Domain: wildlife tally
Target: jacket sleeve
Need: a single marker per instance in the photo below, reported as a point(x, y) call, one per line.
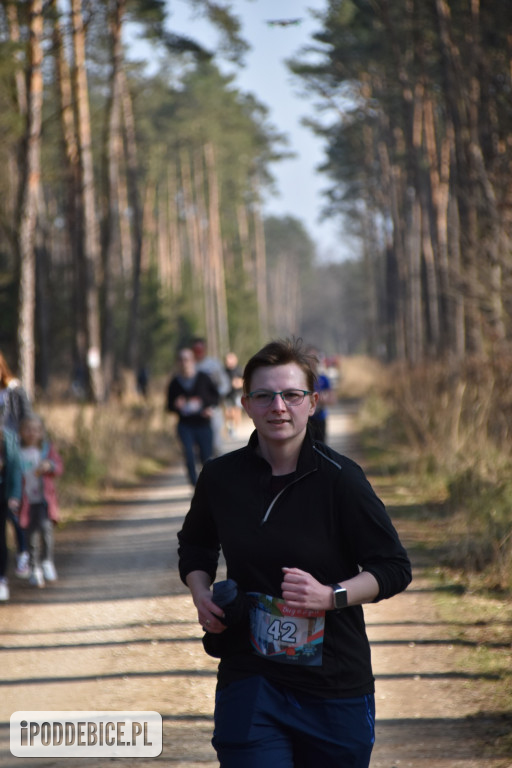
point(209, 391)
point(172, 394)
point(56, 460)
point(24, 405)
point(198, 542)
point(13, 469)
point(374, 540)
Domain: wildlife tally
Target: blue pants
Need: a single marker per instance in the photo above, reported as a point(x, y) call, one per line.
point(21, 543)
point(260, 726)
point(192, 436)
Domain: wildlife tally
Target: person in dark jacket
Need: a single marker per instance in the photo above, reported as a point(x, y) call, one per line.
point(14, 407)
point(11, 477)
point(306, 542)
point(192, 395)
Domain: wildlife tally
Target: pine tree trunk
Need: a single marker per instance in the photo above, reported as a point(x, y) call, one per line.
point(175, 254)
point(112, 233)
point(73, 204)
point(243, 236)
point(193, 229)
point(132, 172)
point(90, 233)
point(206, 269)
point(459, 108)
point(261, 272)
point(17, 160)
point(29, 200)
point(439, 172)
point(216, 253)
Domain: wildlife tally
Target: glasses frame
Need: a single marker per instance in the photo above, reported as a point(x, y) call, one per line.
point(303, 392)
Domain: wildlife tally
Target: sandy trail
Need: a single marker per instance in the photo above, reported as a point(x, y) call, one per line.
point(118, 632)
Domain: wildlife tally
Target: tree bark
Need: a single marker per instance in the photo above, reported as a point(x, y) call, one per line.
point(175, 254)
point(193, 228)
point(12, 201)
point(112, 218)
point(90, 232)
point(216, 254)
point(133, 182)
point(261, 270)
point(29, 200)
point(73, 202)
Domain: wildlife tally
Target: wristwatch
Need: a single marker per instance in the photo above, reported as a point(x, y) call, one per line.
point(340, 597)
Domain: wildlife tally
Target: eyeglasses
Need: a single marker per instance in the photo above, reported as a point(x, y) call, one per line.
point(262, 398)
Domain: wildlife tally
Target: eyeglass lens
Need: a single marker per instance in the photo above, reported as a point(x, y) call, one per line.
point(290, 397)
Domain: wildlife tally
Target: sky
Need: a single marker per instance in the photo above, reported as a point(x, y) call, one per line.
point(265, 74)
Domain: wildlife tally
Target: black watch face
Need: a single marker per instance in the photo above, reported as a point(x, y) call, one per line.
point(340, 598)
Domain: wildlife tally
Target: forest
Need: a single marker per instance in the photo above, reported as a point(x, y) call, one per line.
point(132, 218)
point(131, 206)
point(420, 164)
point(131, 210)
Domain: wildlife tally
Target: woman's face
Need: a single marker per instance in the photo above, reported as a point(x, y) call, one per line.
point(279, 421)
point(186, 363)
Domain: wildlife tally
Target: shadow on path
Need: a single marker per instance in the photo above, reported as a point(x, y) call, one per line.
point(118, 631)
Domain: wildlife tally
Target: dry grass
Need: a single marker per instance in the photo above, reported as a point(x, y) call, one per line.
point(450, 425)
point(360, 375)
point(107, 446)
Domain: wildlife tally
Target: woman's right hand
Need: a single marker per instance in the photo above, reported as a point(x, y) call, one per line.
point(208, 613)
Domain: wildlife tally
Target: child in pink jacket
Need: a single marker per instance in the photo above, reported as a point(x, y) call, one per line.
point(39, 508)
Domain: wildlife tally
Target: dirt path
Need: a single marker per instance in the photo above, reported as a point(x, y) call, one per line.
point(118, 632)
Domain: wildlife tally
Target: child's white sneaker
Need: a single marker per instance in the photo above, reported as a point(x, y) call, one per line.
point(22, 565)
point(4, 591)
point(36, 578)
point(49, 572)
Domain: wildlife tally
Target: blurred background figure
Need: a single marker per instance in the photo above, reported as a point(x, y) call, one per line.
point(142, 381)
point(14, 401)
point(192, 395)
point(39, 511)
point(326, 396)
point(233, 400)
point(215, 369)
point(10, 496)
point(14, 407)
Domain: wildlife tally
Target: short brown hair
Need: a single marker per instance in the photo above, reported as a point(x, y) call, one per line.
point(6, 375)
point(281, 352)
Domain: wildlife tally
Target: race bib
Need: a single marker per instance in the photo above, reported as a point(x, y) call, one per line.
point(287, 635)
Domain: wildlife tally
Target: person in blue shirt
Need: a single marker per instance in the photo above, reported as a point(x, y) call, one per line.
point(326, 396)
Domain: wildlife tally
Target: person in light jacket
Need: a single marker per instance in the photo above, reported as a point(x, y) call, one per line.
point(39, 511)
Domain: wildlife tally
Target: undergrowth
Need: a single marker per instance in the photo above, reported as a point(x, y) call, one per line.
point(446, 433)
point(106, 446)
point(454, 500)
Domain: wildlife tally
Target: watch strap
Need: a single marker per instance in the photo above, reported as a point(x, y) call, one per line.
point(340, 597)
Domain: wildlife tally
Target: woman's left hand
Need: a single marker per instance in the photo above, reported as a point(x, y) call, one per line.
point(301, 590)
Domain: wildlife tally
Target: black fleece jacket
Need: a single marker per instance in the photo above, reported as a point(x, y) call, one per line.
point(202, 388)
point(327, 521)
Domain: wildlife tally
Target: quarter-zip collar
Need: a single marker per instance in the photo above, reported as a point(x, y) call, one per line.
point(307, 463)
